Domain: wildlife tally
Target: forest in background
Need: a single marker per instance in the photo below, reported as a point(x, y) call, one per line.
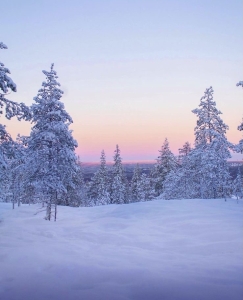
point(43, 167)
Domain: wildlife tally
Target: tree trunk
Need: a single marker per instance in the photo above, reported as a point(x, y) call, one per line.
point(48, 211)
point(55, 218)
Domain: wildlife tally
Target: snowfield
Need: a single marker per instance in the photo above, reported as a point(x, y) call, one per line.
point(158, 250)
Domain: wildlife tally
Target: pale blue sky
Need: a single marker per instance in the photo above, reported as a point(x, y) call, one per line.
point(132, 71)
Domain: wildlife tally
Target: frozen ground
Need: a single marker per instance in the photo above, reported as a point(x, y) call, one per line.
point(159, 250)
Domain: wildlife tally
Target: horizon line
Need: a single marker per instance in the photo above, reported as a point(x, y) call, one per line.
point(144, 162)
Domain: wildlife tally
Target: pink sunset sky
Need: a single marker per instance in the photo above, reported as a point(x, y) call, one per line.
point(131, 71)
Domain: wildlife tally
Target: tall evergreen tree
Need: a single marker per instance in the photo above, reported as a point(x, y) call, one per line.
point(184, 151)
point(103, 182)
point(51, 165)
point(203, 172)
point(166, 162)
point(211, 149)
point(209, 124)
point(145, 188)
point(119, 184)
point(6, 153)
point(178, 184)
point(135, 182)
point(15, 172)
point(7, 145)
point(99, 185)
point(93, 189)
point(7, 85)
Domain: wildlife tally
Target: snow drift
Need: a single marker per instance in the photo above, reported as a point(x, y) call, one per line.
point(172, 250)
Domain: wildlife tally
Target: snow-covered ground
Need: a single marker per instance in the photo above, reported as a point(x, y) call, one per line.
point(158, 250)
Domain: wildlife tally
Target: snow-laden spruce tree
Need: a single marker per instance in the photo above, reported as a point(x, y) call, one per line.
point(178, 184)
point(185, 172)
point(12, 158)
point(27, 190)
point(209, 124)
point(141, 186)
point(211, 150)
point(119, 184)
point(6, 154)
point(100, 184)
point(7, 145)
point(15, 172)
point(184, 152)
point(145, 188)
point(135, 197)
point(51, 164)
point(203, 172)
point(93, 190)
point(166, 162)
point(174, 185)
point(7, 86)
point(6, 142)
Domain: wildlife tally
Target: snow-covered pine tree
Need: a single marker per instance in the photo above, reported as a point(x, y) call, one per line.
point(166, 162)
point(7, 145)
point(119, 185)
point(93, 190)
point(174, 185)
point(209, 124)
point(178, 184)
point(26, 190)
point(185, 170)
point(99, 185)
point(103, 182)
point(204, 173)
point(51, 164)
point(211, 150)
point(6, 86)
point(15, 172)
point(184, 151)
point(144, 188)
point(6, 153)
point(135, 197)
point(240, 127)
